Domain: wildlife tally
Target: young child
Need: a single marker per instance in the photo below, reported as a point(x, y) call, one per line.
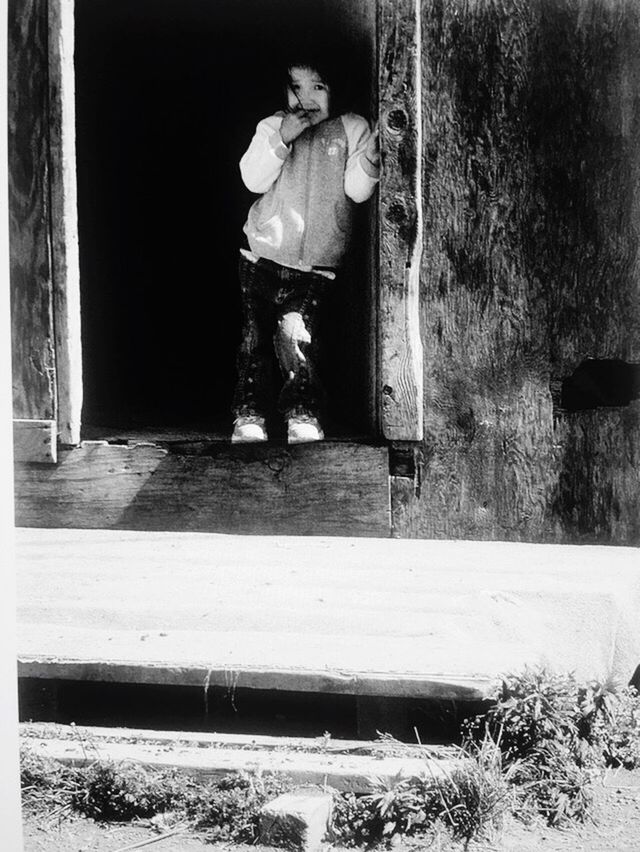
point(309, 167)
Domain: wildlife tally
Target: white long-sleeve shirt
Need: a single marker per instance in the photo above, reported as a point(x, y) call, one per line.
point(303, 217)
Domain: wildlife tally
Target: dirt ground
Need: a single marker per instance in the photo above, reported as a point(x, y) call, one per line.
point(616, 828)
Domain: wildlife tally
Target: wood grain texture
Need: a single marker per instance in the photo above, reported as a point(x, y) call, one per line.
point(360, 773)
point(400, 221)
point(215, 739)
point(530, 265)
point(596, 493)
point(331, 489)
point(64, 219)
point(30, 268)
point(320, 679)
point(35, 441)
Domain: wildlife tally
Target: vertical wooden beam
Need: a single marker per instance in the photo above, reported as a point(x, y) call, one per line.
point(401, 363)
point(64, 220)
point(29, 215)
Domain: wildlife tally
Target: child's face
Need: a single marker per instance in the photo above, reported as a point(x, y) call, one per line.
point(306, 87)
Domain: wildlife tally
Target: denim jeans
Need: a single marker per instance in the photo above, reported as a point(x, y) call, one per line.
point(269, 291)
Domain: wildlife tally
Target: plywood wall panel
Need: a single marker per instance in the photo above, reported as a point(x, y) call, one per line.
point(597, 491)
point(530, 163)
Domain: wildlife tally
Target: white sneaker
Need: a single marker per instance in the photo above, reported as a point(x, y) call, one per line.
point(249, 430)
point(303, 430)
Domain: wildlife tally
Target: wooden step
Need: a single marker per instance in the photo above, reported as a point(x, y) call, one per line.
point(332, 764)
point(363, 617)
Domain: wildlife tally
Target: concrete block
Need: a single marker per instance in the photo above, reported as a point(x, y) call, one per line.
point(297, 820)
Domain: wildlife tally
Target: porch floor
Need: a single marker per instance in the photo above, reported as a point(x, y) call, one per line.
point(372, 617)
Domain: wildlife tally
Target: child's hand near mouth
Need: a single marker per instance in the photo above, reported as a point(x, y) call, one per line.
point(293, 124)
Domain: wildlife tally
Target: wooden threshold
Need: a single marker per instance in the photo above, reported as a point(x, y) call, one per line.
point(329, 488)
point(197, 434)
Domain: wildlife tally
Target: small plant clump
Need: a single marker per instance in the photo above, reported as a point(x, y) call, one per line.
point(225, 809)
point(126, 791)
point(365, 820)
point(46, 784)
point(230, 808)
point(40, 774)
point(556, 736)
point(466, 802)
point(612, 723)
point(102, 790)
point(529, 711)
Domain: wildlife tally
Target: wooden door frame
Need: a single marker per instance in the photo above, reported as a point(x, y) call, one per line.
point(45, 278)
point(64, 220)
point(399, 369)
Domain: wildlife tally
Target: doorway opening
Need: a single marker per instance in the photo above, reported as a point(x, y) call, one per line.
point(168, 94)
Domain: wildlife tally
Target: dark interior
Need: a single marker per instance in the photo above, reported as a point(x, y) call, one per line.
point(168, 93)
point(241, 711)
point(601, 383)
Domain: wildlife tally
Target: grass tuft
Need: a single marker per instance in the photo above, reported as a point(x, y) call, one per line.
point(468, 802)
point(229, 810)
point(556, 736)
point(125, 791)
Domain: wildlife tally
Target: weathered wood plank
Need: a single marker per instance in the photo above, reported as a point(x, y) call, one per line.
point(354, 772)
point(200, 739)
point(398, 684)
point(34, 441)
point(596, 495)
point(31, 282)
point(404, 502)
point(332, 489)
point(401, 372)
point(64, 219)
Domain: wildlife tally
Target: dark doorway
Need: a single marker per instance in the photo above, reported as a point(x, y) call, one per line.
point(168, 96)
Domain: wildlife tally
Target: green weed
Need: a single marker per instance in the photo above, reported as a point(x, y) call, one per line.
point(466, 802)
point(543, 724)
point(221, 809)
point(229, 809)
point(612, 723)
point(47, 786)
point(124, 791)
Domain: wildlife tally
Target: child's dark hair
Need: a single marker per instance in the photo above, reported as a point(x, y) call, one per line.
point(325, 61)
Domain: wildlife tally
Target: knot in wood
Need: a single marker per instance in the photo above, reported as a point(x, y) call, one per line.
point(396, 213)
point(397, 120)
point(276, 463)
